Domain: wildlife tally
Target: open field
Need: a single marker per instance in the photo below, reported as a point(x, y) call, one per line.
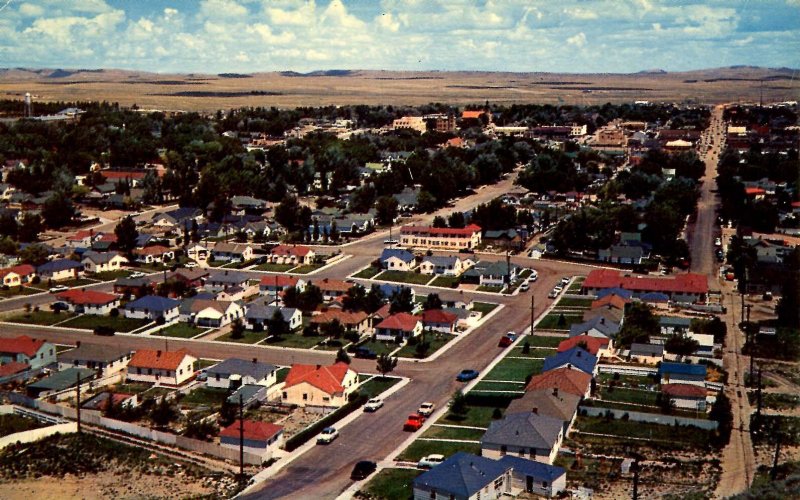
point(197, 92)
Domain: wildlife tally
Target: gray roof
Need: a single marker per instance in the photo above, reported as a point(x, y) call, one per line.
point(537, 470)
point(527, 430)
point(63, 379)
point(646, 349)
point(599, 323)
point(231, 277)
point(236, 366)
point(484, 268)
point(264, 312)
point(94, 352)
point(441, 260)
point(98, 257)
point(562, 406)
point(462, 475)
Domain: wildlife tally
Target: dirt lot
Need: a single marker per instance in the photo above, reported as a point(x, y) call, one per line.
point(292, 421)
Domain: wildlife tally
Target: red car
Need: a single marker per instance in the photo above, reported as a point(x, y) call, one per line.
point(505, 341)
point(414, 422)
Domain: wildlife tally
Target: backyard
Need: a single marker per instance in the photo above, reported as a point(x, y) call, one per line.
point(368, 272)
point(180, 330)
point(514, 369)
point(44, 318)
point(404, 277)
point(558, 321)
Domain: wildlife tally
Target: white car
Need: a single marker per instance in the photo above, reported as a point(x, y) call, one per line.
point(430, 461)
point(137, 274)
point(373, 405)
point(558, 288)
point(59, 288)
point(327, 435)
point(426, 409)
point(190, 265)
point(524, 287)
point(534, 276)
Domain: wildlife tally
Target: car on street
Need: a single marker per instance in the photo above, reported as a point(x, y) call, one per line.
point(534, 275)
point(59, 306)
point(414, 422)
point(327, 436)
point(430, 461)
point(565, 280)
point(390, 242)
point(373, 404)
point(137, 274)
point(59, 288)
point(553, 294)
point(524, 287)
point(190, 265)
point(467, 375)
point(505, 341)
point(363, 469)
point(426, 409)
point(365, 353)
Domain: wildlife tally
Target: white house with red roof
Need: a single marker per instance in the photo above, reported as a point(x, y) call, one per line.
point(402, 325)
point(155, 253)
point(17, 275)
point(89, 301)
point(686, 396)
point(316, 385)
point(439, 321)
point(35, 353)
point(275, 283)
point(171, 368)
point(258, 438)
point(82, 238)
point(291, 254)
point(440, 238)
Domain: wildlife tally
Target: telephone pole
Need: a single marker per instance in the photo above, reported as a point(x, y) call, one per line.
point(241, 438)
point(774, 472)
point(635, 468)
point(533, 311)
point(758, 411)
point(78, 391)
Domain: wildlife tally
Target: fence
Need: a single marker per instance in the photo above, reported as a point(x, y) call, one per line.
point(650, 418)
point(642, 371)
point(37, 434)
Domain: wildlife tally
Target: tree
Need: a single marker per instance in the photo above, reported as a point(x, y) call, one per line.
point(151, 187)
point(163, 412)
point(386, 210)
point(332, 329)
point(721, 412)
point(276, 325)
point(8, 225)
point(342, 356)
point(788, 308)
point(374, 299)
point(58, 210)
point(30, 227)
point(640, 324)
point(237, 329)
point(456, 220)
point(34, 255)
point(228, 413)
point(426, 202)
point(127, 235)
point(439, 221)
point(199, 428)
point(402, 301)
point(334, 232)
point(287, 213)
point(356, 298)
point(432, 301)
point(385, 364)
point(681, 344)
point(459, 405)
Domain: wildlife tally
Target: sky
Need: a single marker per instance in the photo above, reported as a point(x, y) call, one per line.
point(245, 36)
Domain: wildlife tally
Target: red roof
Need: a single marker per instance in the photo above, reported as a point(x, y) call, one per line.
point(253, 431)
point(593, 344)
point(108, 237)
point(438, 316)
point(153, 250)
point(81, 235)
point(681, 283)
point(684, 390)
point(441, 231)
point(612, 300)
point(286, 250)
point(160, 360)
point(564, 379)
point(345, 318)
point(87, 297)
point(13, 368)
point(401, 321)
point(472, 114)
point(21, 345)
point(279, 280)
point(328, 285)
point(754, 191)
point(24, 269)
point(328, 379)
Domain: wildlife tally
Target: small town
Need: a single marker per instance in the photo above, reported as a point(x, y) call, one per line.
point(466, 299)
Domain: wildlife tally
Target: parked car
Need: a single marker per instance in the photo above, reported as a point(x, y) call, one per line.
point(426, 409)
point(373, 405)
point(430, 461)
point(466, 250)
point(137, 274)
point(390, 242)
point(59, 306)
point(534, 275)
point(190, 265)
point(566, 279)
point(363, 469)
point(327, 435)
point(524, 287)
point(414, 422)
point(511, 335)
point(59, 288)
point(467, 375)
point(365, 353)
point(553, 294)
point(505, 341)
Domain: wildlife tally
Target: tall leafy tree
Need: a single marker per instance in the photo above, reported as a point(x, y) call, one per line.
point(126, 235)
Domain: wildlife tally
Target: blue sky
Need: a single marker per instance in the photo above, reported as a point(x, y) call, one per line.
point(580, 36)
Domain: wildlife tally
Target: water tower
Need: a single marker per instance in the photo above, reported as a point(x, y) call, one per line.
point(28, 106)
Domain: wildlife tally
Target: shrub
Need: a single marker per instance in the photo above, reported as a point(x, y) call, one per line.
point(526, 347)
point(160, 320)
point(497, 414)
point(114, 313)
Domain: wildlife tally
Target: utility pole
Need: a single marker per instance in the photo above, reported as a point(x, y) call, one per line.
point(635, 468)
point(774, 472)
point(241, 438)
point(533, 309)
point(78, 391)
point(758, 411)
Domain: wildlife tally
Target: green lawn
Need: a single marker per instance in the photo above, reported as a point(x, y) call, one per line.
point(119, 324)
point(249, 337)
point(629, 395)
point(392, 484)
point(419, 449)
point(377, 385)
point(436, 342)
point(111, 275)
point(553, 321)
point(368, 272)
point(438, 432)
point(18, 291)
point(307, 268)
point(499, 386)
point(205, 363)
point(621, 429)
point(533, 352)
point(477, 416)
point(295, 340)
point(77, 282)
point(275, 268)
point(543, 341)
point(446, 281)
point(404, 277)
point(483, 307)
point(181, 330)
point(575, 287)
point(204, 396)
point(573, 302)
point(45, 318)
point(515, 369)
point(379, 347)
point(489, 288)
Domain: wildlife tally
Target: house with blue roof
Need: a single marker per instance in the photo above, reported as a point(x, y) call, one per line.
point(397, 259)
point(670, 325)
point(60, 270)
point(598, 326)
point(625, 294)
point(575, 358)
point(153, 307)
point(389, 290)
point(464, 476)
point(682, 373)
point(535, 477)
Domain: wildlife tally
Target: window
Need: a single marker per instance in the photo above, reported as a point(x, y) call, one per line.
point(285, 395)
point(305, 397)
point(217, 377)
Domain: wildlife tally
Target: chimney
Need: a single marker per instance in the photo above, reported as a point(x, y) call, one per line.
point(319, 366)
point(602, 320)
point(535, 410)
point(158, 353)
point(255, 360)
point(555, 391)
point(78, 343)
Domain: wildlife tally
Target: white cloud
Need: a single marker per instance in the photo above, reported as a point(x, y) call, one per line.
point(31, 10)
point(578, 40)
point(387, 21)
point(222, 9)
point(580, 13)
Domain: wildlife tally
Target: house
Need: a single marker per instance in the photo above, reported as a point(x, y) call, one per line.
point(464, 476)
point(595, 327)
point(197, 252)
point(259, 314)
point(23, 349)
point(440, 238)
point(332, 289)
point(549, 403)
point(705, 344)
point(574, 359)
point(17, 275)
point(535, 477)
point(623, 254)
point(690, 287)
point(608, 312)
point(325, 386)
point(234, 373)
point(682, 373)
point(400, 325)
point(60, 381)
point(648, 354)
point(103, 400)
point(565, 380)
point(670, 325)
point(171, 368)
point(525, 435)
point(291, 254)
point(81, 239)
point(686, 396)
point(439, 321)
point(209, 312)
point(99, 262)
point(466, 318)
point(152, 254)
point(496, 273)
point(192, 278)
point(135, 287)
point(504, 238)
point(442, 265)
point(397, 259)
point(407, 199)
point(232, 252)
point(257, 438)
point(612, 301)
point(152, 307)
point(596, 346)
point(89, 301)
point(178, 218)
point(60, 270)
point(222, 280)
point(352, 321)
point(275, 283)
point(107, 360)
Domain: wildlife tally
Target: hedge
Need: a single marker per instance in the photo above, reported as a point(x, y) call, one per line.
point(490, 400)
point(312, 430)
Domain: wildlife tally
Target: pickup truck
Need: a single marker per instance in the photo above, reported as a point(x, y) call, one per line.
point(414, 422)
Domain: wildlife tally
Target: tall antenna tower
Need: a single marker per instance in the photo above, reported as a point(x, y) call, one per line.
point(28, 105)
